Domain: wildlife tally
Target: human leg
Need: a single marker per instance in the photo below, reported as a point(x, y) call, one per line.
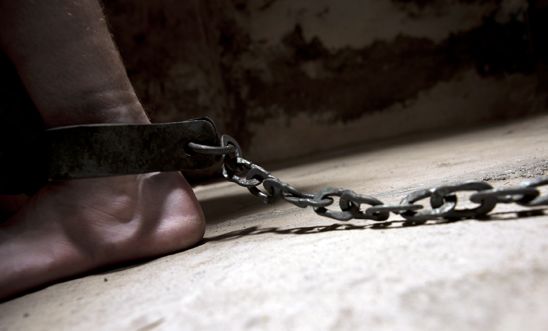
point(72, 71)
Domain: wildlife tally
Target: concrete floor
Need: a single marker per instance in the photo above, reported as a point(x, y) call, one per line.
point(283, 268)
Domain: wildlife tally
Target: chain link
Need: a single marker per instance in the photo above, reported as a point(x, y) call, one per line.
point(443, 200)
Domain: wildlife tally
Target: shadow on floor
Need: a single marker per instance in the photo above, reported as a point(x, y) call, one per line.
point(226, 207)
point(384, 225)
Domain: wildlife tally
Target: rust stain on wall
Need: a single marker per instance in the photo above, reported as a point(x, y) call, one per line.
point(311, 78)
point(195, 58)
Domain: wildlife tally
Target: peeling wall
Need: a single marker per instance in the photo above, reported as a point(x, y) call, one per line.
point(282, 75)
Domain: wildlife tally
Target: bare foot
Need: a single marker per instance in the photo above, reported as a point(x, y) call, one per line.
point(75, 226)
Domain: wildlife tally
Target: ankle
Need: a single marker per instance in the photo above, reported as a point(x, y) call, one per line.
point(105, 107)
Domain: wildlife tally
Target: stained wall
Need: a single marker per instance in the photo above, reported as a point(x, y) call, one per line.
point(290, 78)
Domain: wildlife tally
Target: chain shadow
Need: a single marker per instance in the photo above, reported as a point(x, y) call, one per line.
point(384, 225)
point(222, 208)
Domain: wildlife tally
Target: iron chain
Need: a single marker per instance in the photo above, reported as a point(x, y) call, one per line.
point(351, 205)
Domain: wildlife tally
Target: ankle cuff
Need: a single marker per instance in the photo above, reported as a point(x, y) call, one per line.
point(101, 150)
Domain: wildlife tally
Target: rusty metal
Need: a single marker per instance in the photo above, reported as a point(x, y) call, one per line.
point(99, 150)
point(443, 199)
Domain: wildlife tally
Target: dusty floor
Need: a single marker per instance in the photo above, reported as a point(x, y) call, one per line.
point(283, 268)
